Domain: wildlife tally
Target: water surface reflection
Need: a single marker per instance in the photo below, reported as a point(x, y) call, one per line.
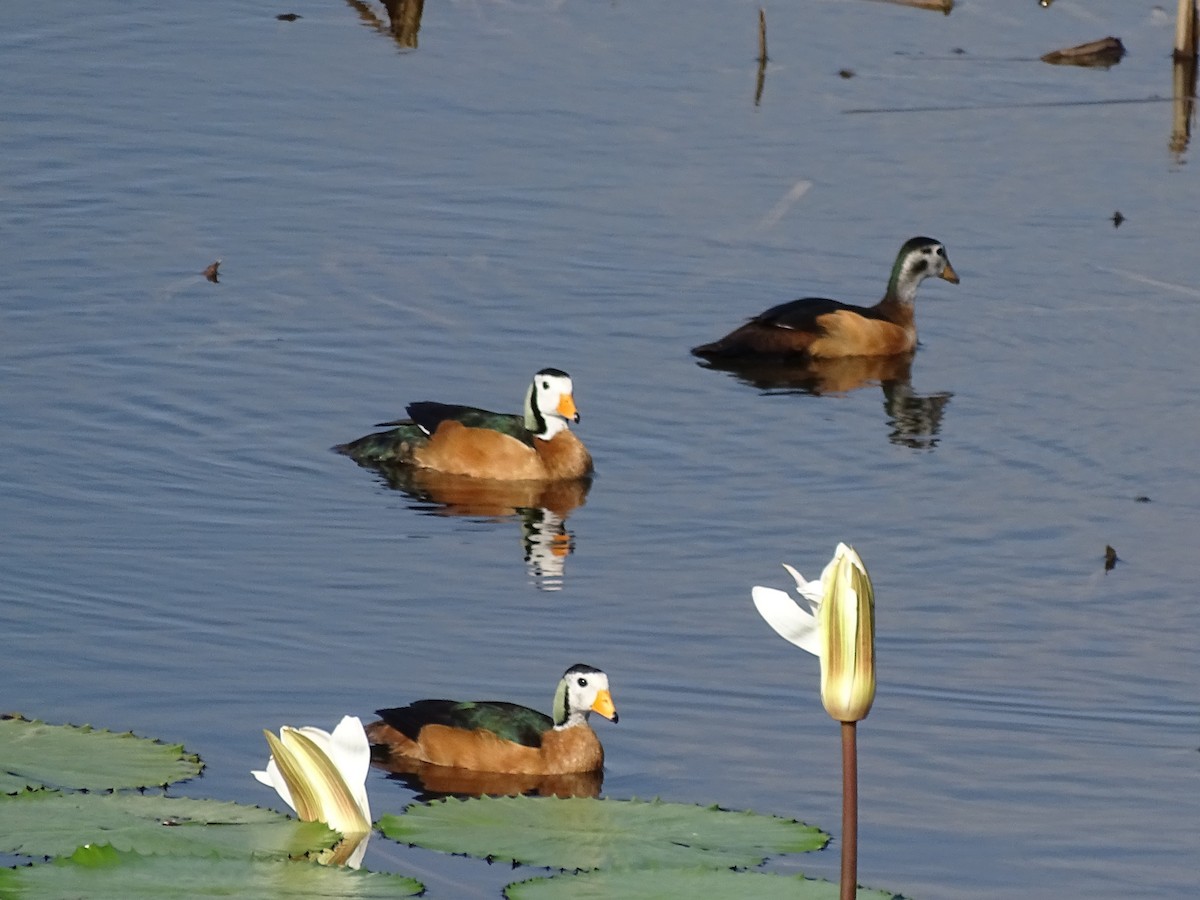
point(540, 507)
point(432, 782)
point(404, 19)
point(914, 419)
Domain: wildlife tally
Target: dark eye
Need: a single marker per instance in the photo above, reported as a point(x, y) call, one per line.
point(545, 385)
point(582, 682)
point(941, 251)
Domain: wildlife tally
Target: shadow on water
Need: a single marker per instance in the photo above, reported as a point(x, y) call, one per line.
point(404, 20)
point(433, 782)
point(541, 508)
point(914, 419)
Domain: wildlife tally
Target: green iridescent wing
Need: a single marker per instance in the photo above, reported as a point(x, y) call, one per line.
point(429, 415)
point(406, 435)
point(509, 721)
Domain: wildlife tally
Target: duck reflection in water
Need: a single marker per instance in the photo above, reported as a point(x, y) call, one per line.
point(541, 508)
point(915, 419)
point(433, 782)
point(404, 19)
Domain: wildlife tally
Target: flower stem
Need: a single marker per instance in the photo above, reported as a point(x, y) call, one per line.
point(849, 810)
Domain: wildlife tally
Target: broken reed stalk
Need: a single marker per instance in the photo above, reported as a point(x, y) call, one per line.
point(762, 35)
point(849, 810)
point(1184, 105)
point(1185, 30)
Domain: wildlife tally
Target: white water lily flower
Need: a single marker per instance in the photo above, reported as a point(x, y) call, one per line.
point(323, 776)
point(838, 626)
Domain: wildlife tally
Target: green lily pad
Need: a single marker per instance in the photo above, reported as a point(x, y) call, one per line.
point(102, 873)
point(583, 833)
point(50, 824)
point(681, 884)
point(36, 755)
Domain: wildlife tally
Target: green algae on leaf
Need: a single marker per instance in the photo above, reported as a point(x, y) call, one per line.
point(680, 884)
point(36, 755)
point(583, 833)
point(51, 824)
point(100, 872)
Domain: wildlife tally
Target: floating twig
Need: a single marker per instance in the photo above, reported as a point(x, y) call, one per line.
point(1103, 53)
point(942, 6)
point(762, 56)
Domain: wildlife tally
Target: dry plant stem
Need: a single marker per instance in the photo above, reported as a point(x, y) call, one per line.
point(849, 810)
point(762, 35)
point(1185, 30)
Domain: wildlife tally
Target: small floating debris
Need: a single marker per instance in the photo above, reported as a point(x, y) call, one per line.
point(761, 78)
point(211, 272)
point(288, 17)
point(846, 73)
point(1117, 219)
point(1110, 558)
point(942, 6)
point(1099, 54)
point(762, 36)
point(1141, 498)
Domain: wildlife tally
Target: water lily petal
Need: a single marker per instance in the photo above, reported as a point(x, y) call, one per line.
point(350, 751)
point(812, 591)
point(295, 775)
point(791, 621)
point(322, 776)
point(336, 803)
point(272, 777)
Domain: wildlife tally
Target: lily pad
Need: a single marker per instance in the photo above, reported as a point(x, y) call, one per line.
point(36, 755)
point(102, 873)
point(51, 824)
point(583, 833)
point(680, 884)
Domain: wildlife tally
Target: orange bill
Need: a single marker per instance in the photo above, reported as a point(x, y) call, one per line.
point(566, 408)
point(604, 705)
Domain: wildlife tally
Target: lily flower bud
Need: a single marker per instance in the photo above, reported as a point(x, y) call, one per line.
point(846, 624)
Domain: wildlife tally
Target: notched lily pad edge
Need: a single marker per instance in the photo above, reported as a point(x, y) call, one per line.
point(393, 827)
point(563, 880)
point(183, 755)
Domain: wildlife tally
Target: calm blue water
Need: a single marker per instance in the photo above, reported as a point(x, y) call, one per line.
point(591, 186)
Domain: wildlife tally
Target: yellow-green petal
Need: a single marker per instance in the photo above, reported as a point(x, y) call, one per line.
point(335, 801)
point(304, 795)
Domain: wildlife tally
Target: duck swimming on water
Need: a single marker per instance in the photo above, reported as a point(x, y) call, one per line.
point(496, 736)
point(465, 440)
point(818, 328)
